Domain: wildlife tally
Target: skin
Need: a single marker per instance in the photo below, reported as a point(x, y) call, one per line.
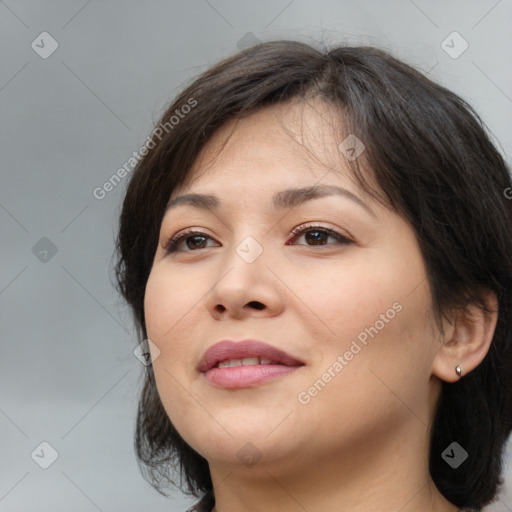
point(362, 440)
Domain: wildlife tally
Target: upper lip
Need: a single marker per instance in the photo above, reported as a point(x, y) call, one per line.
point(227, 349)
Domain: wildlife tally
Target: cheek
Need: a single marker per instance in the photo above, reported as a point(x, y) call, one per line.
point(370, 299)
point(157, 299)
point(168, 298)
point(167, 305)
point(378, 315)
point(380, 383)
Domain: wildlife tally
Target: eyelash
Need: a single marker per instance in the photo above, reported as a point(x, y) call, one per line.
point(171, 245)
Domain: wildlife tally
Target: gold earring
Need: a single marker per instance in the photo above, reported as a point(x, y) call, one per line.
point(458, 370)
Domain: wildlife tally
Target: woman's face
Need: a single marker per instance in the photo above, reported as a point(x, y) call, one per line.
point(355, 311)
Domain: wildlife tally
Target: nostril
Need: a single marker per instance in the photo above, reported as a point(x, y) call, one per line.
point(256, 305)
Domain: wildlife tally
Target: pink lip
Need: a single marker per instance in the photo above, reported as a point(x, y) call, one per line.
point(245, 376)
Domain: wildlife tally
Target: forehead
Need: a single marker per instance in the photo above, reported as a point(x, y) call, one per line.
point(297, 138)
point(281, 156)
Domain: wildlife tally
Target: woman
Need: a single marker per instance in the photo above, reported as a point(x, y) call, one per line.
point(317, 246)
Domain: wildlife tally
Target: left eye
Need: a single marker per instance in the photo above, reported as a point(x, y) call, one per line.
point(317, 234)
point(314, 234)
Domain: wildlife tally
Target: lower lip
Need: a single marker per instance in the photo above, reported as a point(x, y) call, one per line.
point(247, 376)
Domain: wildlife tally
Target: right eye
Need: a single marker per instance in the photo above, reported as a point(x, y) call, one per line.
point(197, 239)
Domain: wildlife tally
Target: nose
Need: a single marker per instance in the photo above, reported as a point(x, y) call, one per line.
point(245, 287)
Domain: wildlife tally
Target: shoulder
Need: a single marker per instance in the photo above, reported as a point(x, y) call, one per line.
point(205, 504)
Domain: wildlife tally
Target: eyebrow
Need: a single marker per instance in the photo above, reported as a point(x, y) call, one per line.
point(288, 198)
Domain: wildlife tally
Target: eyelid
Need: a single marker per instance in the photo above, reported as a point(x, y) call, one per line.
point(335, 232)
point(183, 233)
point(172, 242)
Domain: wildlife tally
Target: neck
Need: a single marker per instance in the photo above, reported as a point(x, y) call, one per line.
point(370, 474)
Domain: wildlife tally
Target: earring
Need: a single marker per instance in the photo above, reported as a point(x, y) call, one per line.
point(458, 370)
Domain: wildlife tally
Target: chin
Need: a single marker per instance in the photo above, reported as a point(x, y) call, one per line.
point(254, 454)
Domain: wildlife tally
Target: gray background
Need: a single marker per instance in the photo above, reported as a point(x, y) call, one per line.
point(68, 122)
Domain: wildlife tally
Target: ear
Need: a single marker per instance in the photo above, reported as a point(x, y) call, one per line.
point(467, 339)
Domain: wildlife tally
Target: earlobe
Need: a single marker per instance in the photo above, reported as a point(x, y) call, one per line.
point(468, 340)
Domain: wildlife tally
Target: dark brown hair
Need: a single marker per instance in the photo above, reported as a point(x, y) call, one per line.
point(435, 165)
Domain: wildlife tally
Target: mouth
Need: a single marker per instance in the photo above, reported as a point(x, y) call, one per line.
point(248, 363)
